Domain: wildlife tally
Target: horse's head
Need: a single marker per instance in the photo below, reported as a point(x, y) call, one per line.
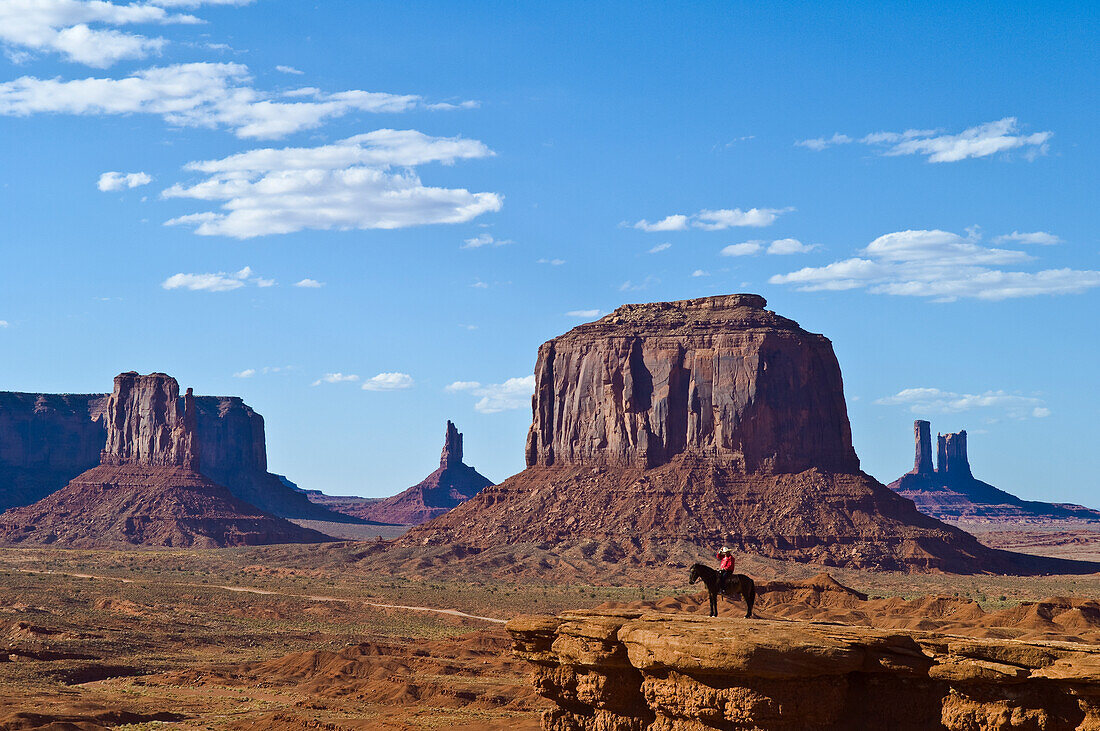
point(693, 575)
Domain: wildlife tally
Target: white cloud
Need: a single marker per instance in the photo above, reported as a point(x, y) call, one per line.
point(216, 281)
point(789, 246)
point(700, 273)
point(1035, 237)
point(462, 386)
point(3, 323)
point(714, 220)
point(515, 393)
point(659, 248)
point(388, 382)
point(484, 240)
point(677, 222)
point(309, 283)
point(246, 373)
point(551, 262)
point(213, 95)
point(339, 378)
point(937, 401)
point(117, 181)
point(364, 182)
point(941, 265)
point(631, 286)
point(747, 248)
point(981, 140)
point(820, 143)
point(73, 28)
point(289, 70)
point(583, 313)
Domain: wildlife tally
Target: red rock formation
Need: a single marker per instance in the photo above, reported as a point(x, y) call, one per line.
point(922, 436)
point(147, 489)
point(45, 441)
point(952, 493)
point(147, 424)
point(708, 422)
point(717, 377)
point(48, 439)
point(452, 484)
point(621, 670)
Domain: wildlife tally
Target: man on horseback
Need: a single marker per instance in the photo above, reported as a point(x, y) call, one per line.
point(725, 567)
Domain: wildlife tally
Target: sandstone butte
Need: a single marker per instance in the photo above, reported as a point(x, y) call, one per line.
point(951, 492)
point(622, 670)
point(453, 483)
point(707, 422)
point(147, 489)
point(48, 439)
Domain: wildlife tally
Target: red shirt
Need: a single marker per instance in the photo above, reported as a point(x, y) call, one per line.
point(725, 562)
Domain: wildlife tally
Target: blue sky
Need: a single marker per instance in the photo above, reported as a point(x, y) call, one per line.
point(365, 217)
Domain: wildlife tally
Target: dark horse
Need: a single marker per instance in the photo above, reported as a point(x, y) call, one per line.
point(738, 585)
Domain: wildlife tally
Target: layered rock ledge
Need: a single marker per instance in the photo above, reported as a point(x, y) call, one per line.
point(631, 670)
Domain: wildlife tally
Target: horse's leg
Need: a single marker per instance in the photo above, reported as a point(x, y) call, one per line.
point(750, 598)
point(713, 603)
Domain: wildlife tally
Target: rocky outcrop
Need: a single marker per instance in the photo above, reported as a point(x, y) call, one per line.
point(147, 489)
point(628, 670)
point(46, 440)
point(449, 486)
point(148, 423)
point(717, 377)
point(706, 422)
point(952, 493)
point(922, 436)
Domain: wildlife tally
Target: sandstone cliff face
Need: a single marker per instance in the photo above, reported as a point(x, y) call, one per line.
point(148, 424)
point(623, 670)
point(952, 493)
point(449, 486)
point(45, 441)
point(719, 377)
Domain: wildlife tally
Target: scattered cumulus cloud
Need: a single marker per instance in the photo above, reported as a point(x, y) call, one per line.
point(995, 403)
point(660, 247)
point(783, 247)
point(4, 323)
point(246, 373)
point(289, 70)
point(309, 283)
point(714, 220)
point(211, 95)
point(338, 378)
point(940, 265)
point(936, 145)
point(388, 382)
point(747, 248)
point(700, 273)
point(484, 240)
point(86, 31)
point(551, 262)
point(1035, 237)
point(515, 393)
point(117, 181)
point(583, 313)
point(216, 281)
point(363, 182)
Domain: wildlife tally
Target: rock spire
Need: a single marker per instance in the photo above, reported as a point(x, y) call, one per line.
point(922, 436)
point(148, 423)
point(452, 448)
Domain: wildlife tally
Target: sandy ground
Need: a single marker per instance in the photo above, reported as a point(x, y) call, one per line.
point(290, 637)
